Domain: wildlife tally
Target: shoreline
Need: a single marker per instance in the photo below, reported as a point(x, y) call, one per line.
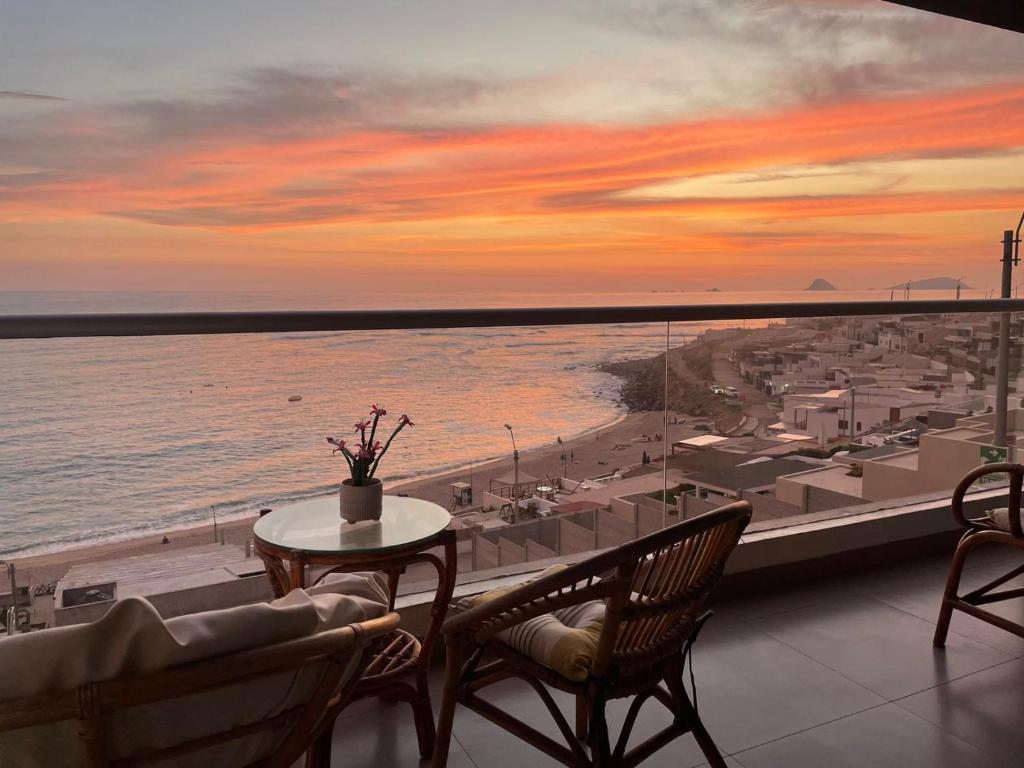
point(229, 518)
point(595, 451)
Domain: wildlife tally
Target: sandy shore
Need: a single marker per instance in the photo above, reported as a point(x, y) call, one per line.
point(593, 454)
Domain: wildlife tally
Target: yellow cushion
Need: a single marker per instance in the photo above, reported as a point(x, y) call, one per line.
point(564, 640)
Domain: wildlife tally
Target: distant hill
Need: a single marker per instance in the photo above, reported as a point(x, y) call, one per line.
point(932, 284)
point(820, 284)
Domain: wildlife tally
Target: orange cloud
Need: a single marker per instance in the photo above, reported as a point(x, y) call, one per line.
point(463, 197)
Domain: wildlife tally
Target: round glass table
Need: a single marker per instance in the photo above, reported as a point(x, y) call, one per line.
point(310, 537)
point(315, 526)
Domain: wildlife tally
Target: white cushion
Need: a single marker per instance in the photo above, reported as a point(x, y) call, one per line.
point(1000, 518)
point(132, 639)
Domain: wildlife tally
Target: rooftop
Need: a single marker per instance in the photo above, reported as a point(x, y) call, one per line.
point(753, 475)
point(701, 441)
point(869, 454)
point(906, 459)
point(833, 478)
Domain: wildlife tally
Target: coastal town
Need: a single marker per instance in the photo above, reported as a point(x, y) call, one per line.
point(816, 416)
point(822, 416)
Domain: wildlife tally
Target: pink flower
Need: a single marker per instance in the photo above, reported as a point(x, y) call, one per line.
point(362, 426)
point(378, 411)
point(406, 420)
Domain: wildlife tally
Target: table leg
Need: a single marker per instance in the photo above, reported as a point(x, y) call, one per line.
point(276, 572)
point(297, 575)
point(447, 571)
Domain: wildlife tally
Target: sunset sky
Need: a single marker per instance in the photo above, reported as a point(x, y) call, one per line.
point(590, 145)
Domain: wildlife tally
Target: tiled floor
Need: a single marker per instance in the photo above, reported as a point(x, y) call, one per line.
point(836, 674)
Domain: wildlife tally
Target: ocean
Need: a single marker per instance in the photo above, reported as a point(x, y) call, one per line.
point(114, 438)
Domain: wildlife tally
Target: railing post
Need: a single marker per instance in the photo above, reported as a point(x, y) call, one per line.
point(1003, 364)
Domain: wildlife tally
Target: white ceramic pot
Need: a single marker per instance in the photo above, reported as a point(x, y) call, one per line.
point(361, 502)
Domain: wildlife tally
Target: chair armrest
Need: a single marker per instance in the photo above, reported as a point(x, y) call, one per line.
point(576, 584)
point(1016, 472)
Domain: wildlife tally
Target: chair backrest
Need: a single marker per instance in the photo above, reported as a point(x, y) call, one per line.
point(1015, 473)
point(277, 698)
point(665, 579)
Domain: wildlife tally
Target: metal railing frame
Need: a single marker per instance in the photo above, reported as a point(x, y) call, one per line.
point(203, 323)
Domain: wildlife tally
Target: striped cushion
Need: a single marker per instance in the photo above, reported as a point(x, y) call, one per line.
point(564, 640)
point(1000, 518)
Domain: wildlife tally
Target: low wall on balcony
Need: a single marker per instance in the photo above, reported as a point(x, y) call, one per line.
point(485, 552)
point(690, 506)
point(614, 529)
point(510, 553)
point(535, 551)
point(625, 519)
point(648, 520)
point(490, 500)
point(576, 533)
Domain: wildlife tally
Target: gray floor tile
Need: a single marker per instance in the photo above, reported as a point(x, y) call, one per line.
point(491, 746)
point(752, 689)
point(732, 611)
point(884, 737)
point(991, 556)
point(880, 647)
point(921, 595)
point(383, 736)
point(985, 709)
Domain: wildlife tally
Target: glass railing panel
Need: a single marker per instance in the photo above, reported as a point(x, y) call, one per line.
point(834, 415)
point(113, 443)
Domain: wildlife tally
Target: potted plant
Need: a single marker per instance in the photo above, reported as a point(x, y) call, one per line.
point(361, 495)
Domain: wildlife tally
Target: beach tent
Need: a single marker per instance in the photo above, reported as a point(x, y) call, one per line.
point(509, 480)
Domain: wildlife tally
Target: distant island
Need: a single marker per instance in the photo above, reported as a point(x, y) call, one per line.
point(933, 284)
point(820, 284)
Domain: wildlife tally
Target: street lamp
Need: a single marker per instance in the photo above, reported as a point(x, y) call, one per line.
point(10, 617)
point(515, 478)
point(561, 445)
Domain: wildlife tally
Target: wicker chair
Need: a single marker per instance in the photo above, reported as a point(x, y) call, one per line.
point(654, 590)
point(334, 658)
point(992, 528)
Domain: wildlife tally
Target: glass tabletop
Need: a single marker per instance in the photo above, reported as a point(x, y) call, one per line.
point(315, 526)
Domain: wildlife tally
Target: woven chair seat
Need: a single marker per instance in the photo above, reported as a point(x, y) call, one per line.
point(394, 655)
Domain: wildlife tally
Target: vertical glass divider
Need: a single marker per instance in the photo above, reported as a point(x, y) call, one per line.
point(664, 431)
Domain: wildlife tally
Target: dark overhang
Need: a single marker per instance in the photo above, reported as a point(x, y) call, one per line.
point(1007, 14)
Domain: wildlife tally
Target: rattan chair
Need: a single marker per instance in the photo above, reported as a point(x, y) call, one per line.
point(990, 529)
point(654, 591)
point(335, 659)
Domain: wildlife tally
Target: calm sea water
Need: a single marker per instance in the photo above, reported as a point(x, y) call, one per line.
point(112, 438)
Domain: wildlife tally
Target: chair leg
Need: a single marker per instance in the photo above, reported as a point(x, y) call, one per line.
point(319, 753)
point(949, 596)
point(581, 717)
point(597, 736)
point(687, 714)
point(707, 745)
point(446, 718)
point(423, 715)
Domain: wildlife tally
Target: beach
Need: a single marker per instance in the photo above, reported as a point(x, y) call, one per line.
point(596, 453)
